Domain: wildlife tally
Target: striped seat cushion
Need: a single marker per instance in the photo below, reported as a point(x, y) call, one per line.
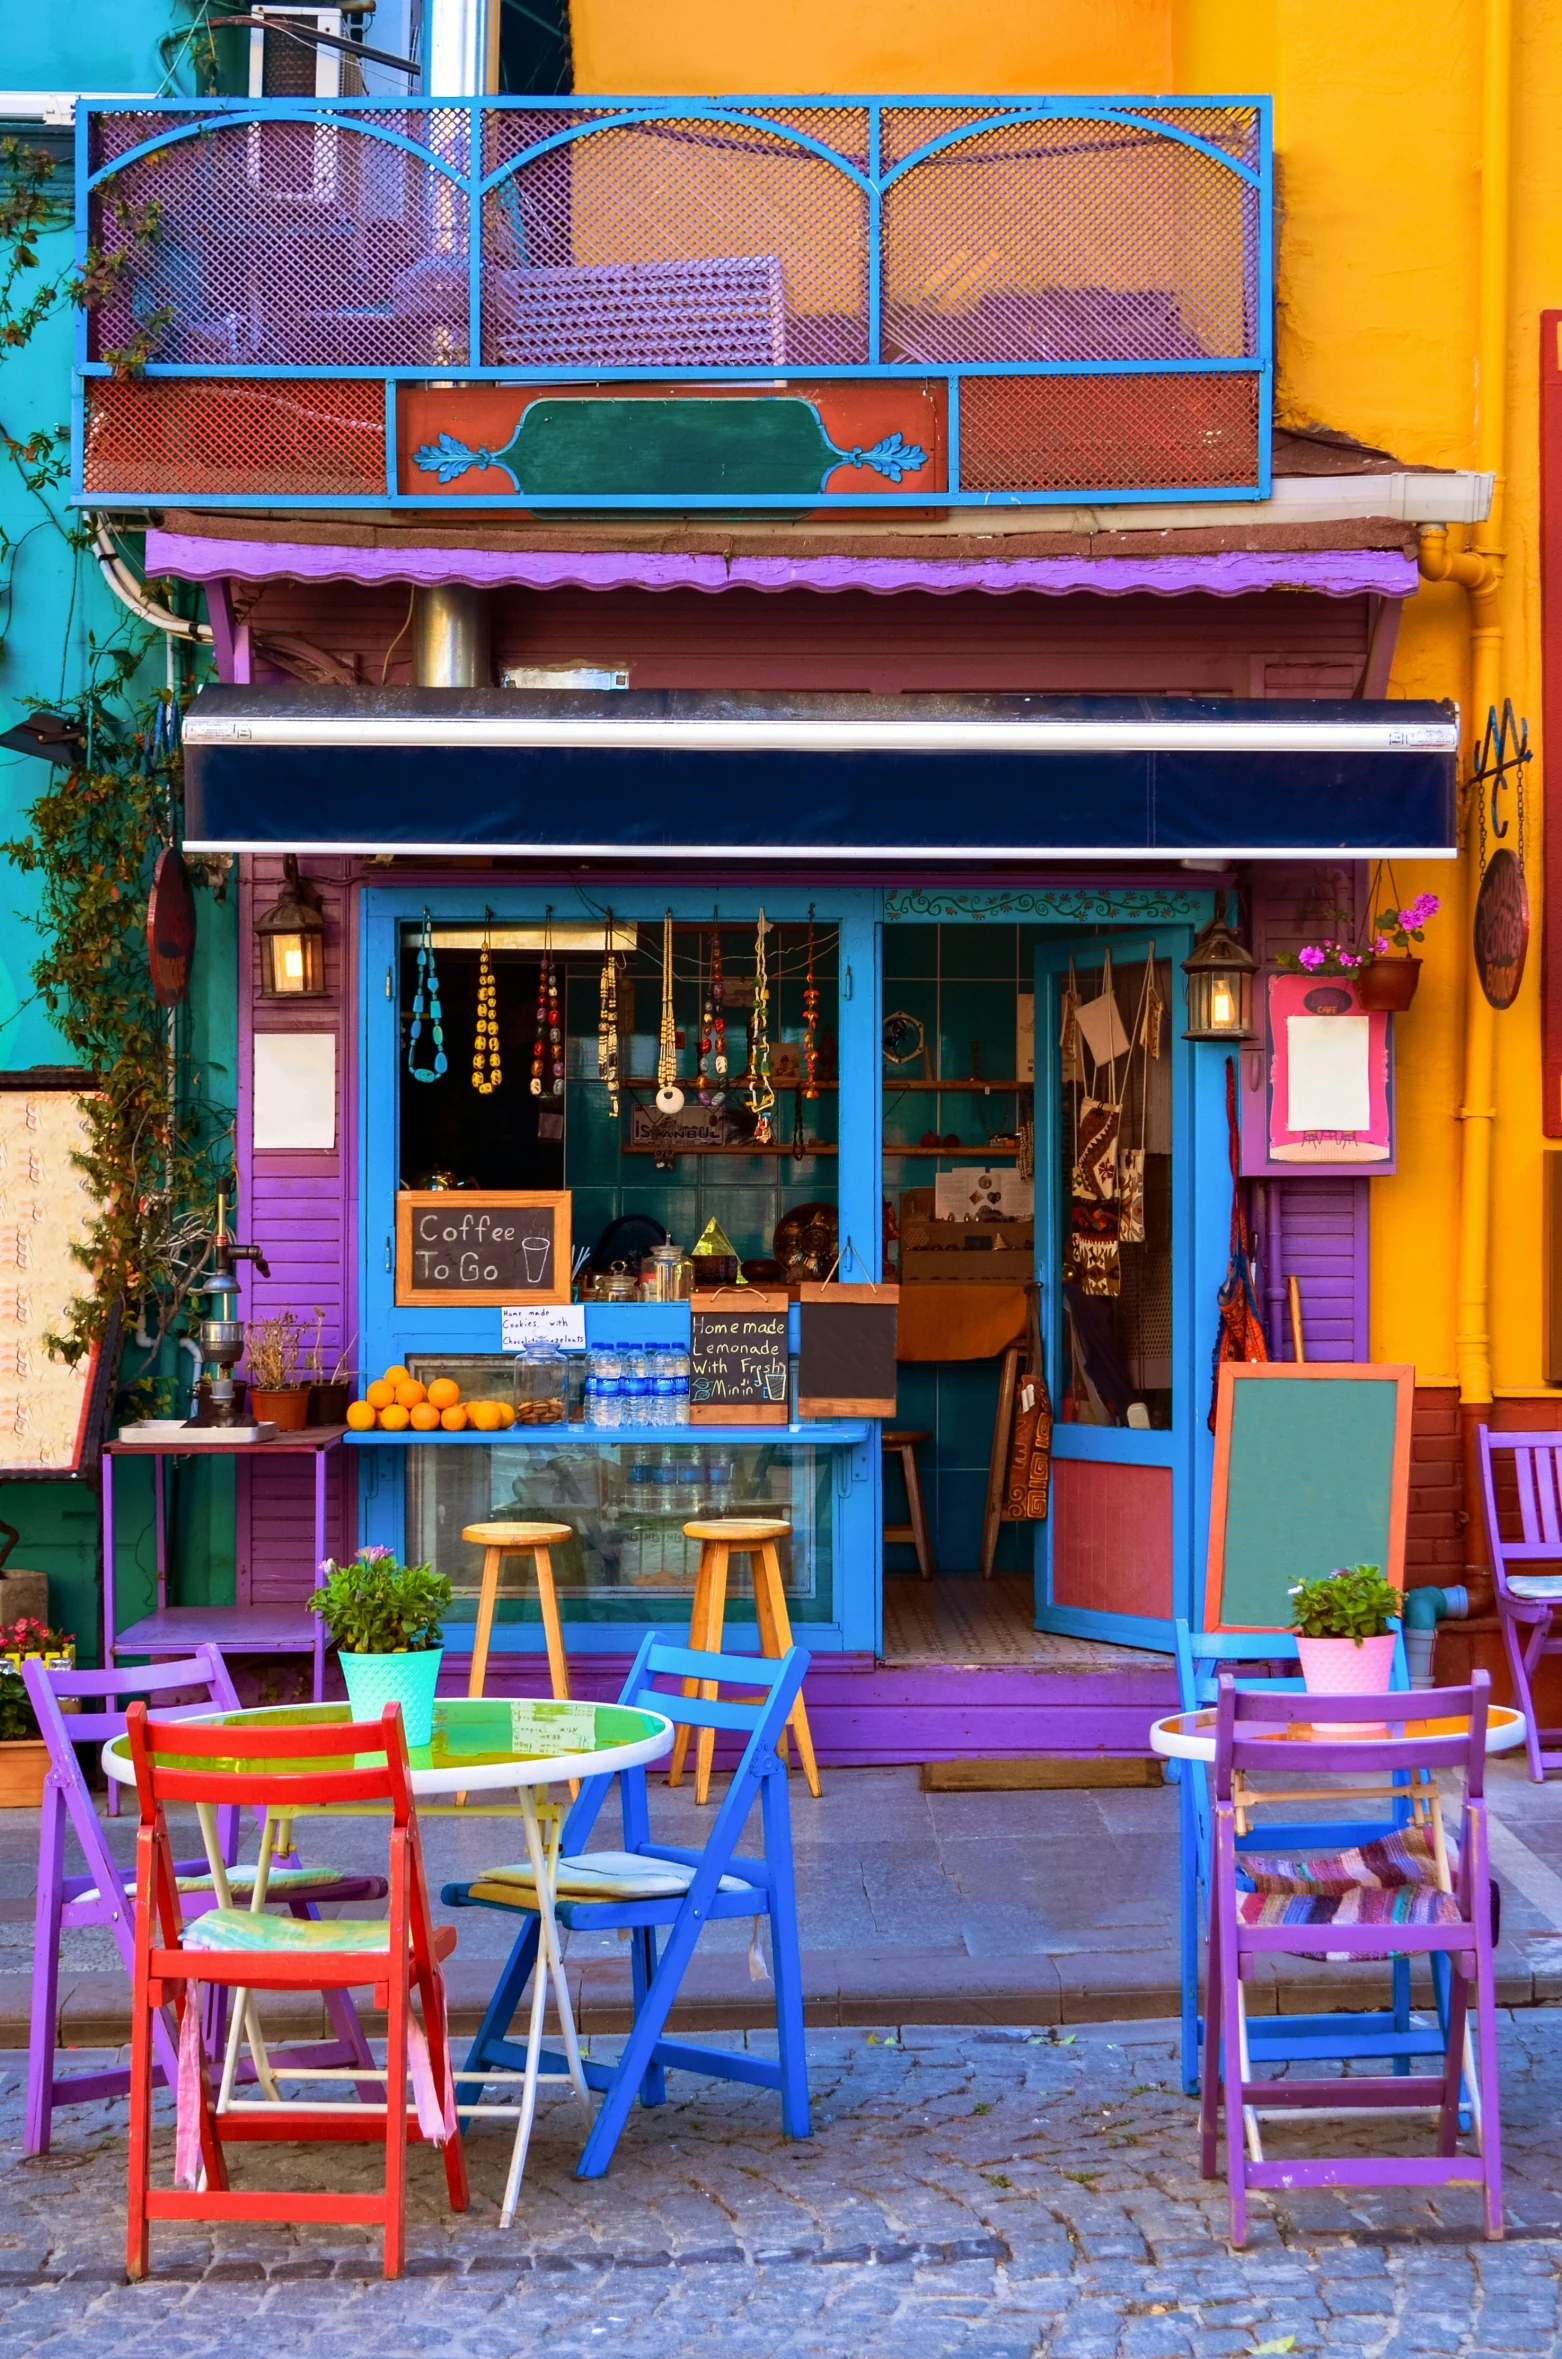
point(1389, 1864)
point(1419, 1904)
point(244, 1929)
point(596, 1875)
point(281, 1884)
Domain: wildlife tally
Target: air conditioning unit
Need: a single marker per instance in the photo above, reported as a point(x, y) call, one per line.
point(296, 164)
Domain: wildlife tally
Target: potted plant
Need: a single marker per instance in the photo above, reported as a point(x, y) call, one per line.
point(1387, 981)
point(24, 1757)
point(272, 1347)
point(1344, 1632)
point(329, 1396)
point(384, 1623)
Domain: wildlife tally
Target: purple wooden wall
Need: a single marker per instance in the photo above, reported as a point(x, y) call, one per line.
point(1316, 1229)
point(298, 1207)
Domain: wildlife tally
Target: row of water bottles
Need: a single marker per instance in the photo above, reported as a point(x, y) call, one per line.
point(636, 1385)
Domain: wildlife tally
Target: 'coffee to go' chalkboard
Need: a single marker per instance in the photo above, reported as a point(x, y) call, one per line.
point(737, 1357)
point(466, 1245)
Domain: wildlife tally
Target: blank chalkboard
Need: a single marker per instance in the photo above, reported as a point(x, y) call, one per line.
point(846, 1350)
point(737, 1357)
point(1312, 1470)
point(482, 1245)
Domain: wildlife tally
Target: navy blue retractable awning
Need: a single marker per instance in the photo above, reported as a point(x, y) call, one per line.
point(443, 771)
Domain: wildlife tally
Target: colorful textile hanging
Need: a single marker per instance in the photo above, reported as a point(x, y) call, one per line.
point(1030, 1446)
point(1071, 1061)
point(1094, 1213)
point(1130, 1190)
point(1241, 1334)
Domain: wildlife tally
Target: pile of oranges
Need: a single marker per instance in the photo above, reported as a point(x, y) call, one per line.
point(397, 1403)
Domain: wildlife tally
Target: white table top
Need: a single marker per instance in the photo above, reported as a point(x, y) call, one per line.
point(474, 1748)
point(1190, 1736)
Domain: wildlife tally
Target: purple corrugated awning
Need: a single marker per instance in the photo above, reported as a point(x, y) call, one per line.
point(1229, 573)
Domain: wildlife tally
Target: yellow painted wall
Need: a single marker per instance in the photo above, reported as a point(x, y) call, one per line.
point(1377, 114)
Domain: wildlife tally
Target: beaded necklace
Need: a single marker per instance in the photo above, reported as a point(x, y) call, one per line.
point(548, 1044)
point(761, 1096)
point(607, 1020)
point(718, 1003)
point(810, 1021)
point(425, 1003)
point(669, 1097)
point(487, 1073)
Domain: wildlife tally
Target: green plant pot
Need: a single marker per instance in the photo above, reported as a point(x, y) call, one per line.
point(373, 1681)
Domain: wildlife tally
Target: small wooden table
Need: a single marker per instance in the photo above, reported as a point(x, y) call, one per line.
point(1190, 1736)
point(238, 1629)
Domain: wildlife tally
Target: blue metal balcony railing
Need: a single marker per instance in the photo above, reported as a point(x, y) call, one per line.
point(777, 304)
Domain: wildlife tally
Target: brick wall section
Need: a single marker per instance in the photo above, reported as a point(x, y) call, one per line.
point(1435, 1547)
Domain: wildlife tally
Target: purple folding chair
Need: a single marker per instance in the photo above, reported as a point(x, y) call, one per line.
point(1527, 1600)
point(105, 1894)
point(1257, 1736)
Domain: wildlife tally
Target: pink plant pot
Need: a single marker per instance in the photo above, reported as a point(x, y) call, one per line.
point(1341, 1667)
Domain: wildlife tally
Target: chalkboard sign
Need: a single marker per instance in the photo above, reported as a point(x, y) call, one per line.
point(1312, 1470)
point(737, 1357)
point(846, 1356)
point(466, 1245)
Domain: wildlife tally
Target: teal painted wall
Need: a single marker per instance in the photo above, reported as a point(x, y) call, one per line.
point(57, 621)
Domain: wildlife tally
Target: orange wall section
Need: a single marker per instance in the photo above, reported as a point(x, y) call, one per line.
point(823, 46)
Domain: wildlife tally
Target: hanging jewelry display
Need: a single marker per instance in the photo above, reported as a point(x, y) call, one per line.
point(425, 1006)
point(669, 1097)
point(548, 1042)
point(607, 1019)
point(810, 1021)
point(718, 1022)
point(487, 1072)
point(761, 1096)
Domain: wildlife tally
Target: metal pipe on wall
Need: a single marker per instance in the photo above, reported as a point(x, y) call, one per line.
point(451, 637)
point(461, 48)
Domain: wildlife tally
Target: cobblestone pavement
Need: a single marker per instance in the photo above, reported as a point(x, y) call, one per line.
point(1001, 2194)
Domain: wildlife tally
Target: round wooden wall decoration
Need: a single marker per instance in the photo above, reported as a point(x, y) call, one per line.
point(1502, 929)
point(170, 928)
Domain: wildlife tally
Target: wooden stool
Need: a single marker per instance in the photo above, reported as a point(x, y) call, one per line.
point(902, 1444)
point(754, 1537)
point(499, 1540)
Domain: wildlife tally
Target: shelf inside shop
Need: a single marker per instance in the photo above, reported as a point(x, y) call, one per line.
point(838, 1433)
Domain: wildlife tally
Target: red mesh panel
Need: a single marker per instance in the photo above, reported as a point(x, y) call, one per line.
point(1069, 240)
point(178, 438)
point(1089, 434)
point(677, 244)
point(311, 244)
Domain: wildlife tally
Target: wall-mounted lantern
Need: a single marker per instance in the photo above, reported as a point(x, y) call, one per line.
point(1220, 986)
point(292, 939)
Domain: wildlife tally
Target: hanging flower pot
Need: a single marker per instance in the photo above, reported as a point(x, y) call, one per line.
point(1387, 985)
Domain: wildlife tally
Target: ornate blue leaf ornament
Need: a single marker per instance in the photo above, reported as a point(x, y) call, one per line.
point(893, 456)
point(447, 458)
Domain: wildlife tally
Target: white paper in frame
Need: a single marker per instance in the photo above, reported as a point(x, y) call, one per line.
point(1328, 1084)
point(294, 1091)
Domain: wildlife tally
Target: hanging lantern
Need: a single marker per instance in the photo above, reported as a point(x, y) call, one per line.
point(1220, 986)
point(292, 939)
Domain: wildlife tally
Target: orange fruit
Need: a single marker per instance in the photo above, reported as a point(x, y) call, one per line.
point(453, 1419)
point(485, 1416)
point(506, 1415)
point(398, 1374)
point(380, 1394)
point(394, 1419)
point(424, 1419)
point(360, 1416)
point(443, 1393)
point(409, 1392)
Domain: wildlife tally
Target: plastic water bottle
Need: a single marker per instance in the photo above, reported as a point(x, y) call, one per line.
point(609, 1386)
point(678, 1370)
point(588, 1390)
point(633, 1384)
point(667, 1386)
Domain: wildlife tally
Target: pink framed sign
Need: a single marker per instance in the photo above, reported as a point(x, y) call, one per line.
point(1317, 1093)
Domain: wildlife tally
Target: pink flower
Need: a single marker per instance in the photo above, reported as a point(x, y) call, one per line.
point(374, 1554)
point(1381, 944)
point(1312, 957)
point(1348, 958)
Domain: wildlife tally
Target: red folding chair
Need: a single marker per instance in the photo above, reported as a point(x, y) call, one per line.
point(195, 1761)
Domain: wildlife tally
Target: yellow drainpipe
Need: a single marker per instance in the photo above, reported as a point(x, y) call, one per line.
point(1479, 570)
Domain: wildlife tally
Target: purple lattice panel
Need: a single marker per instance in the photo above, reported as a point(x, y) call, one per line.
point(294, 244)
point(1068, 241)
point(178, 439)
point(718, 203)
point(1089, 434)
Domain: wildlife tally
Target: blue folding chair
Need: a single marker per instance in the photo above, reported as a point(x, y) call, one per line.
point(1391, 2032)
point(711, 1883)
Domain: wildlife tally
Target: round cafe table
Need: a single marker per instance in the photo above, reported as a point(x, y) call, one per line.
point(1190, 1736)
point(482, 1745)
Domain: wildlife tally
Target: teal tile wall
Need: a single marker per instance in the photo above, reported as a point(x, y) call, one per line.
point(961, 983)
